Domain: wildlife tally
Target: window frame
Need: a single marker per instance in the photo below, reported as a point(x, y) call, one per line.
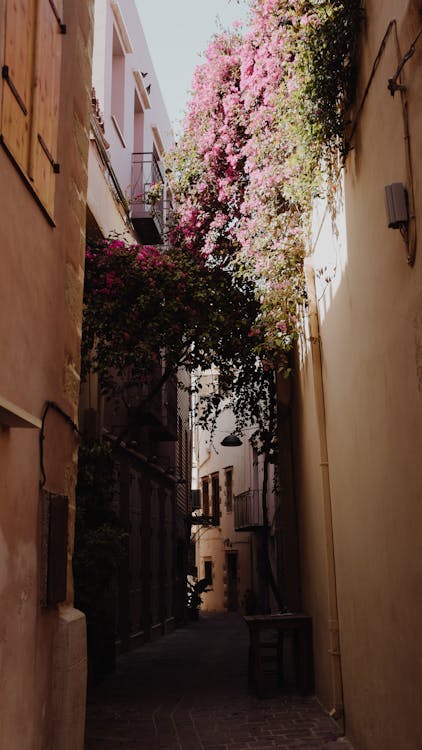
point(215, 496)
point(117, 92)
point(208, 562)
point(228, 471)
point(205, 495)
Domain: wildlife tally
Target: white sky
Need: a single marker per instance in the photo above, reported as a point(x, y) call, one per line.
point(177, 32)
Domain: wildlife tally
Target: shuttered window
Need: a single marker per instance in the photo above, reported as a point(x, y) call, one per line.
point(215, 498)
point(17, 78)
point(31, 89)
point(205, 497)
point(229, 489)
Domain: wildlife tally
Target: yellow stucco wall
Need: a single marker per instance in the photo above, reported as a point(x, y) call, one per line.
point(370, 312)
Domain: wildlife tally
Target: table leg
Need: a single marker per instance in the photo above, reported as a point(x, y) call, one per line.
point(280, 658)
point(304, 658)
point(257, 662)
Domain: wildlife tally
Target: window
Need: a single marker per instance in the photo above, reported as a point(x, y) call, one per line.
point(192, 569)
point(138, 125)
point(180, 447)
point(205, 497)
point(255, 468)
point(215, 490)
point(118, 85)
point(195, 502)
point(229, 489)
point(187, 454)
point(208, 571)
point(31, 88)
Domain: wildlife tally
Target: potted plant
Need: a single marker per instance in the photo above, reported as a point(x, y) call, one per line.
point(194, 598)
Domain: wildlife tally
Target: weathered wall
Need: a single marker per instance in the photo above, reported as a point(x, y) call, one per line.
point(42, 664)
point(370, 312)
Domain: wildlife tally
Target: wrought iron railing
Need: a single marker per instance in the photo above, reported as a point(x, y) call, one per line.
point(159, 411)
point(147, 189)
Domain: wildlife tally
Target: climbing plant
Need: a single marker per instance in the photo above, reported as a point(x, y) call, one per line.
point(100, 545)
point(262, 138)
point(146, 303)
point(158, 309)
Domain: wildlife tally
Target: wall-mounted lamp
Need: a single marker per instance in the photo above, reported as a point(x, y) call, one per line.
point(231, 441)
point(396, 205)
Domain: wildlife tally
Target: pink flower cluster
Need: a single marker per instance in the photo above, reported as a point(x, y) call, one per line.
point(236, 164)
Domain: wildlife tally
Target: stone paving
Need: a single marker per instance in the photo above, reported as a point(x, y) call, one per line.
point(188, 691)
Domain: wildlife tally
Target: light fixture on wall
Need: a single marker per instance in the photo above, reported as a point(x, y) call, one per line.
point(396, 205)
point(231, 441)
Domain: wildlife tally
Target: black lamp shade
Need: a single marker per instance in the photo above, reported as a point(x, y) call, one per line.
point(231, 441)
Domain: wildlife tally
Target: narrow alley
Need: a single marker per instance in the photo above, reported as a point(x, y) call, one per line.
point(188, 691)
point(210, 374)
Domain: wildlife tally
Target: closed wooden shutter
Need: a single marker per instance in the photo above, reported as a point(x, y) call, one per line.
point(17, 71)
point(44, 166)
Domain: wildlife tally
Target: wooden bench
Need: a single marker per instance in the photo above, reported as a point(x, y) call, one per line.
point(300, 626)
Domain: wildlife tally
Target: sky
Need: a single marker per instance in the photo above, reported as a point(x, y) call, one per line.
point(177, 32)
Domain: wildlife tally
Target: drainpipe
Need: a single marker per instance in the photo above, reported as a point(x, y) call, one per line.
point(333, 624)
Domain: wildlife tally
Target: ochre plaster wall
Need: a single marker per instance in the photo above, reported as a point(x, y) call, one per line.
point(42, 651)
point(311, 527)
point(371, 333)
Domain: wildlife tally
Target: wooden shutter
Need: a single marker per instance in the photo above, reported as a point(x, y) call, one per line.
point(43, 165)
point(17, 72)
point(54, 541)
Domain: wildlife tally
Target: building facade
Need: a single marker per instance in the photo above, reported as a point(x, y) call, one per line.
point(128, 197)
point(228, 524)
point(358, 390)
point(45, 50)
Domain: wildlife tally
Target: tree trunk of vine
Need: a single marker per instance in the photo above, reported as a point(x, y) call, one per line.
point(269, 577)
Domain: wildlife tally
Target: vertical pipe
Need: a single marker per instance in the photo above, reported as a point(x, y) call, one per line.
point(333, 624)
point(411, 234)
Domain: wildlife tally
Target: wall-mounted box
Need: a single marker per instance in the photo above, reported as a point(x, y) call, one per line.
point(396, 205)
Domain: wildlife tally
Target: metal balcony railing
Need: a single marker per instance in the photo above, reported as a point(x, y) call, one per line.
point(147, 198)
point(248, 510)
point(159, 413)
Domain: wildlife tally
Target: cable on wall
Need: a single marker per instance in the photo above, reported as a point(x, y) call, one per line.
point(394, 84)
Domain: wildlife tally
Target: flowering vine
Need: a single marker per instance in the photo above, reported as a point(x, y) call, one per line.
point(148, 306)
point(262, 138)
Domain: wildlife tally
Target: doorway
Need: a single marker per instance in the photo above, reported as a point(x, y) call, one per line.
point(232, 582)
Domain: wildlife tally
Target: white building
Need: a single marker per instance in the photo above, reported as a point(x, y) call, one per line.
point(132, 132)
point(228, 535)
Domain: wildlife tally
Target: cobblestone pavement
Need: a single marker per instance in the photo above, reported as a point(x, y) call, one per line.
point(188, 691)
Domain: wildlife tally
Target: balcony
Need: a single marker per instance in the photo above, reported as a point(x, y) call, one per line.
point(147, 199)
point(248, 514)
point(159, 413)
point(203, 520)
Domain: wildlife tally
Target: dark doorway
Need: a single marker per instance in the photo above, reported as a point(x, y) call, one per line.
point(232, 590)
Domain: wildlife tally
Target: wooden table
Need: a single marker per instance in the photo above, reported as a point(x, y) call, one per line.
point(297, 623)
